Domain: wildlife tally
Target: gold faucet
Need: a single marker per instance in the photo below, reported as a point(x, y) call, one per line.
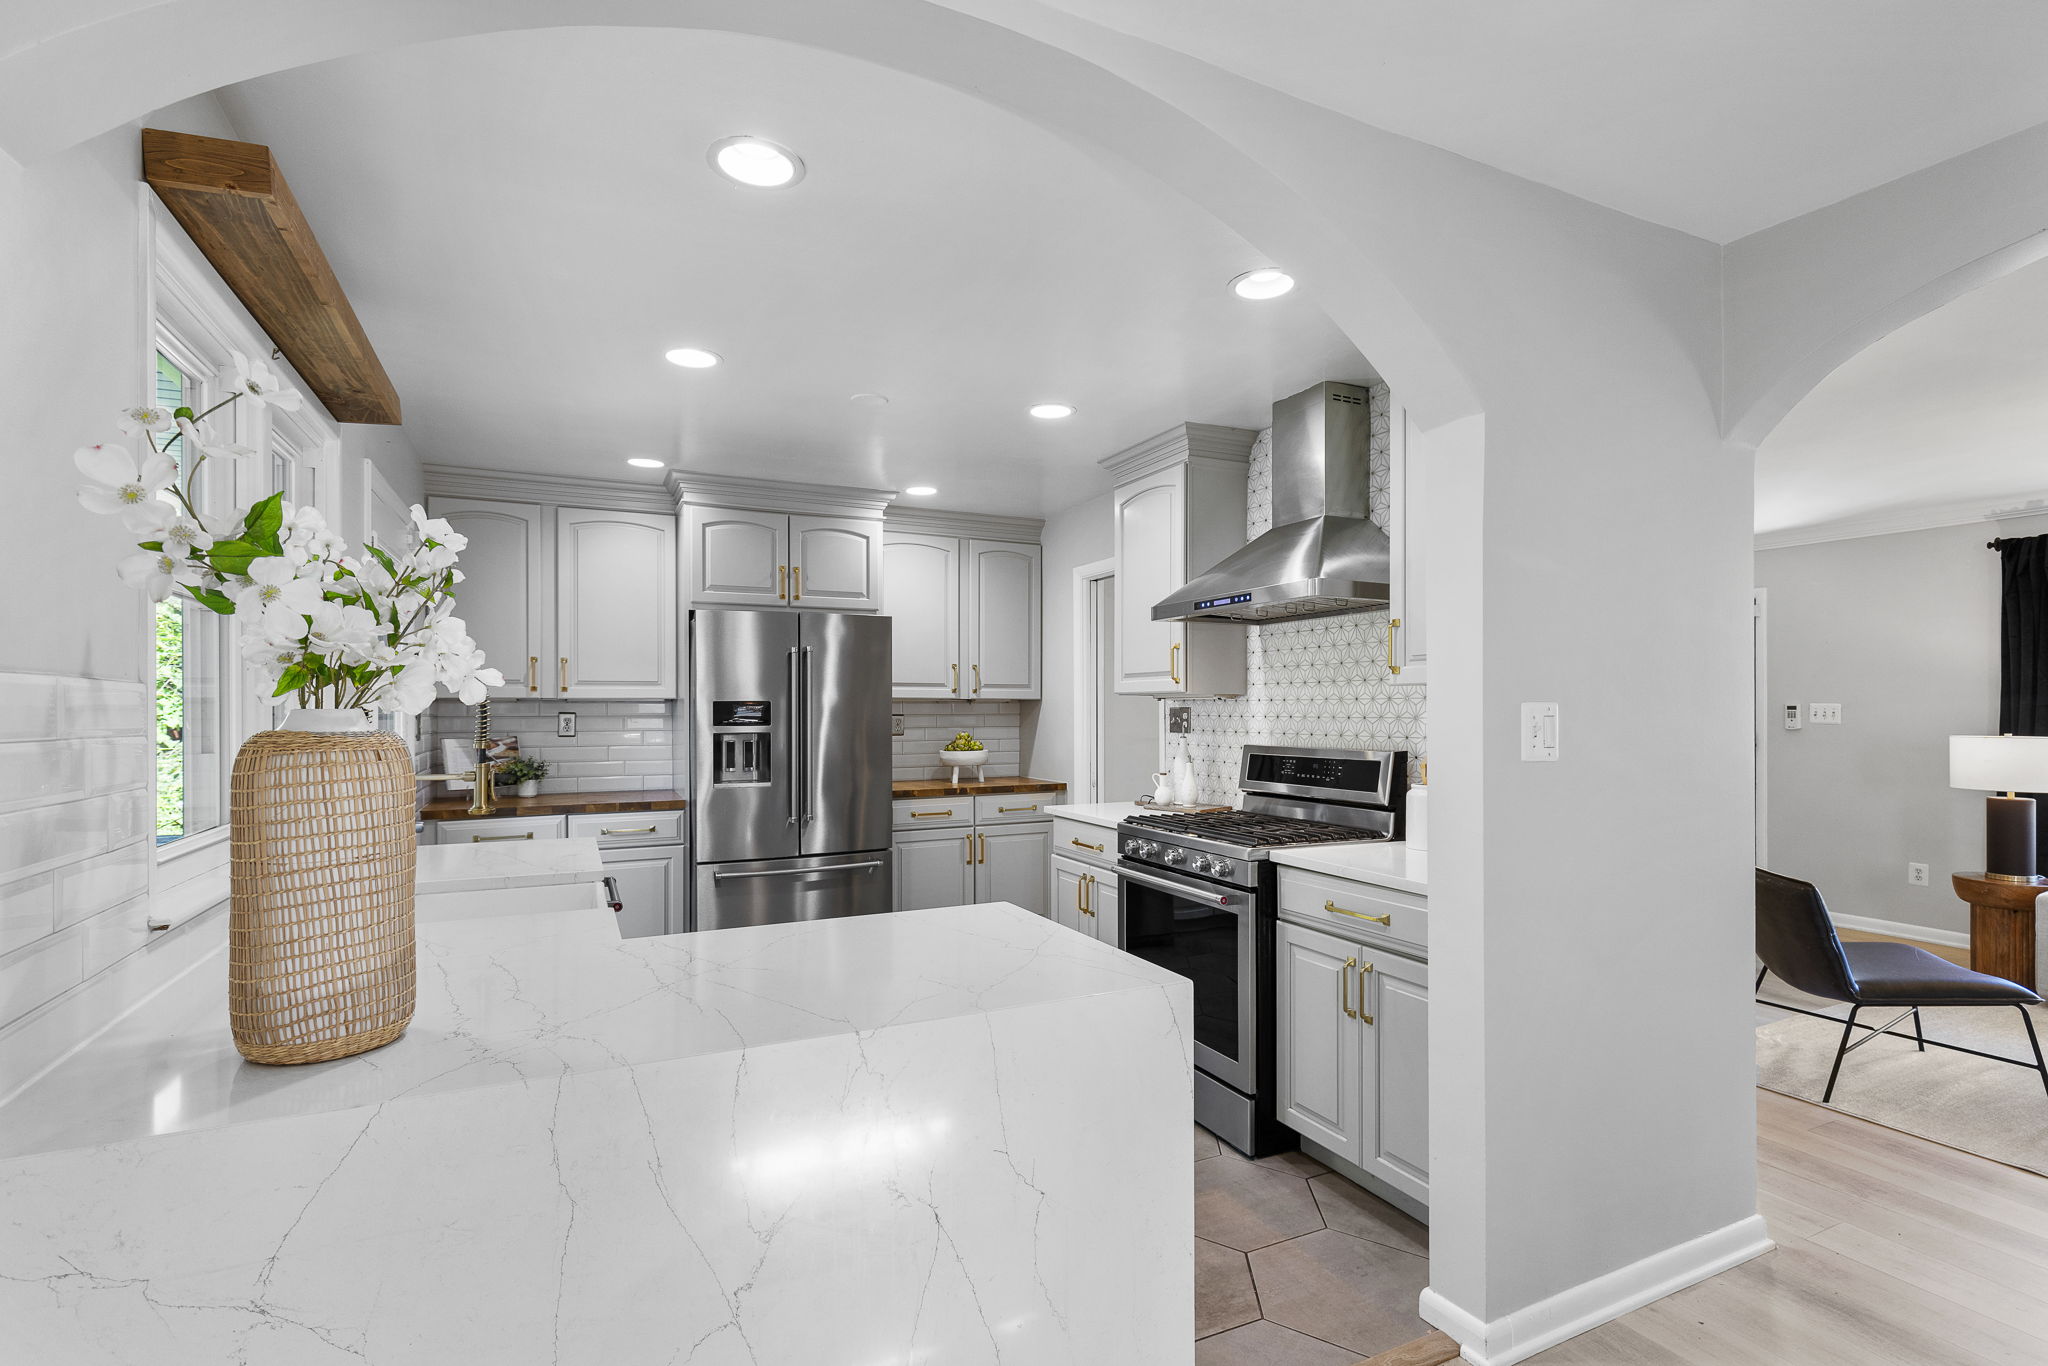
point(479, 778)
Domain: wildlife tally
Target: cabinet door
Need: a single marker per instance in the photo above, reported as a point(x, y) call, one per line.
point(835, 563)
point(737, 558)
point(1395, 1131)
point(1151, 561)
point(1069, 893)
point(921, 585)
point(615, 604)
point(1002, 619)
point(1319, 1045)
point(504, 596)
point(1013, 864)
point(1407, 622)
point(648, 883)
point(1108, 921)
point(934, 868)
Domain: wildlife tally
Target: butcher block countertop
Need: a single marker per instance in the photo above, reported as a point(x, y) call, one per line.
point(455, 805)
point(978, 787)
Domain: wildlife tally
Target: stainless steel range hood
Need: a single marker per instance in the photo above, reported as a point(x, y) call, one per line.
point(1322, 555)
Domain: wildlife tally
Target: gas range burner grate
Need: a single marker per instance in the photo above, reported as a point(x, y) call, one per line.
point(1252, 830)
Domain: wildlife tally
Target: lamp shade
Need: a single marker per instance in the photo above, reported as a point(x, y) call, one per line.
point(1998, 763)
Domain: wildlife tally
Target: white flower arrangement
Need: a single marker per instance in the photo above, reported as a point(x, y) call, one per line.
point(326, 627)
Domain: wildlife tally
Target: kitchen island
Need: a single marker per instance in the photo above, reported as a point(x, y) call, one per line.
point(951, 1135)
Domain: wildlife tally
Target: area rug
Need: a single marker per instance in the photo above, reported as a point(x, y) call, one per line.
point(1988, 1108)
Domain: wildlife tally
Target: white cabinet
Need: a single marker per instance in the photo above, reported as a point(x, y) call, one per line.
point(1353, 1054)
point(1105, 916)
point(1407, 619)
point(967, 616)
point(506, 595)
point(935, 867)
point(568, 602)
point(739, 557)
point(1179, 508)
point(1011, 864)
point(1084, 898)
point(649, 884)
point(615, 604)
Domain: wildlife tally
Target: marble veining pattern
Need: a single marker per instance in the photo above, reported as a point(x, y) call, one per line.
point(520, 863)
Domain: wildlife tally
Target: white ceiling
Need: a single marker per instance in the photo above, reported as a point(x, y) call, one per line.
point(526, 222)
point(1718, 117)
point(1948, 411)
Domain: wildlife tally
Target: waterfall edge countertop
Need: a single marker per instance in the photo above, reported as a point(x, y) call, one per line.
point(847, 1139)
point(503, 867)
point(974, 787)
point(454, 806)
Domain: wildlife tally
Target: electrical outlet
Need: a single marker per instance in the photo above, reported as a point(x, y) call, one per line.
point(1824, 713)
point(1916, 873)
point(1180, 720)
point(565, 724)
point(896, 724)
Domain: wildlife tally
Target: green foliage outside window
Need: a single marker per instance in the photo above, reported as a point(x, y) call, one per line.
point(170, 720)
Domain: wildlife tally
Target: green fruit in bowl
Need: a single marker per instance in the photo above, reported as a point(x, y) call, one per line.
point(964, 741)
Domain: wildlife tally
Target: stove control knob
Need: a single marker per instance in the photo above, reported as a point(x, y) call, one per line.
point(1172, 857)
point(1220, 868)
point(1202, 864)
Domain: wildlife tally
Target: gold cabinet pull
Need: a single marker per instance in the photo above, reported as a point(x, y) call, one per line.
point(796, 583)
point(1088, 880)
point(533, 673)
point(927, 815)
point(1007, 810)
point(956, 680)
point(563, 668)
point(1392, 667)
point(983, 846)
point(1080, 894)
point(1173, 662)
point(493, 839)
point(782, 583)
point(1344, 987)
point(1083, 844)
point(970, 849)
point(1335, 909)
point(977, 680)
point(1363, 969)
point(636, 830)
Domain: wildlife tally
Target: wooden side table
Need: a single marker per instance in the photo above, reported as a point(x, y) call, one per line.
point(2001, 925)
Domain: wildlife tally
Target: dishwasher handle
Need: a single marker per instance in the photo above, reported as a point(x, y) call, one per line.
point(612, 897)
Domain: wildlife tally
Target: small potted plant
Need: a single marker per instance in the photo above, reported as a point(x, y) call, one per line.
point(526, 773)
point(963, 751)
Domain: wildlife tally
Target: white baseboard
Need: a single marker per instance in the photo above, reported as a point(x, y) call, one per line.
point(1522, 1334)
point(1899, 929)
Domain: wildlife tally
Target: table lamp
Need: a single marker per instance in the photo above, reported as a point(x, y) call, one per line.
point(2010, 764)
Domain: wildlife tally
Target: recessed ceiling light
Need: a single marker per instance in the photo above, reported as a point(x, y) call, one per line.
point(920, 490)
point(869, 400)
point(1050, 411)
point(642, 462)
point(693, 358)
point(1267, 282)
point(757, 162)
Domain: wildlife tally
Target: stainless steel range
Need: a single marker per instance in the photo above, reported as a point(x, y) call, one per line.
point(1199, 897)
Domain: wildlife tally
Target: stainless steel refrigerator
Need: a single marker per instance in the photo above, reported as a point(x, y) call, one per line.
point(790, 811)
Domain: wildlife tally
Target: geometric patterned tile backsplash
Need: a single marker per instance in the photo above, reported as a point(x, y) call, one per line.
point(1320, 682)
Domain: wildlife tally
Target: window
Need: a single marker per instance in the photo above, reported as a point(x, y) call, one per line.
point(191, 670)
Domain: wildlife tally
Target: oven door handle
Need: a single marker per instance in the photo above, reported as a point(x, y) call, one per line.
point(1180, 889)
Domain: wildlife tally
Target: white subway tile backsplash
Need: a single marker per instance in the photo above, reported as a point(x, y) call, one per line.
point(52, 706)
point(41, 772)
point(36, 974)
point(115, 933)
point(928, 725)
point(87, 888)
point(613, 740)
point(28, 911)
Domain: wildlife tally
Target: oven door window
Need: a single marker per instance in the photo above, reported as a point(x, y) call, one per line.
point(1199, 942)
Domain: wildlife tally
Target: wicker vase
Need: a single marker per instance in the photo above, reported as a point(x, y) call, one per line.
point(320, 929)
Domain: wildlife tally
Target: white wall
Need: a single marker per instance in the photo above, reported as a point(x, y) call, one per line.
point(1902, 630)
point(1074, 536)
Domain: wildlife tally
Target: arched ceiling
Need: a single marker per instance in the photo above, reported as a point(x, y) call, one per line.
point(526, 222)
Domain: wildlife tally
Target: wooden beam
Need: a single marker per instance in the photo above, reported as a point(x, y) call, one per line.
point(231, 198)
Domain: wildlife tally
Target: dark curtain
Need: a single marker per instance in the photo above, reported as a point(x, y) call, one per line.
point(2023, 648)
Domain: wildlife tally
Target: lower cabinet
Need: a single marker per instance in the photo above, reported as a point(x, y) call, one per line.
point(963, 865)
point(934, 867)
point(1353, 1052)
point(1084, 898)
point(1010, 864)
point(650, 884)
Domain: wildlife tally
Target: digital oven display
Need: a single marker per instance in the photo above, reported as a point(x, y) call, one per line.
point(1302, 770)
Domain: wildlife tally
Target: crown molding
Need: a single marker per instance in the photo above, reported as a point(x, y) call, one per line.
point(1927, 517)
point(967, 525)
point(1180, 443)
point(705, 489)
point(515, 486)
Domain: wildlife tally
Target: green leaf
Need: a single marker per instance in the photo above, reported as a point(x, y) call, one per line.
point(233, 557)
point(150, 545)
point(377, 553)
point(294, 678)
point(261, 526)
point(214, 598)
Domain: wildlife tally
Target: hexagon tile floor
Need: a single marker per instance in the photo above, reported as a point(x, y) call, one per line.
point(1295, 1266)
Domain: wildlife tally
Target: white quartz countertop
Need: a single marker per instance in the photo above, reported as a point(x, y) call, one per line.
point(1098, 813)
point(501, 866)
point(862, 1139)
point(1383, 864)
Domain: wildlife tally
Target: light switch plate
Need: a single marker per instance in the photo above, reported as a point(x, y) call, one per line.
point(1824, 713)
point(1180, 720)
point(1539, 732)
point(565, 723)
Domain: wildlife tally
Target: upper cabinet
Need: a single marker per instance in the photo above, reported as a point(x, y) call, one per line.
point(1179, 508)
point(568, 602)
point(966, 613)
point(758, 543)
point(835, 562)
point(737, 558)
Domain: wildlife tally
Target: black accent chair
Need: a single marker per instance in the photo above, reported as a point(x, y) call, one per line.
point(1796, 939)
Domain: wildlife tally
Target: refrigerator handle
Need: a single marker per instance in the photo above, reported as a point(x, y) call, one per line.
point(810, 813)
point(795, 729)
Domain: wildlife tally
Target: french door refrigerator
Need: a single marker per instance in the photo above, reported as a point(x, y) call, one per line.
point(790, 802)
